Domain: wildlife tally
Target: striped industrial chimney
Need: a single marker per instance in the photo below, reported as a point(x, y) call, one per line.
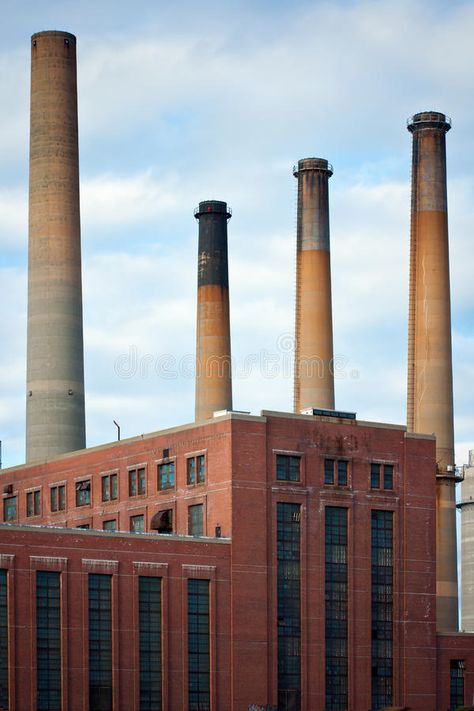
point(213, 363)
point(430, 382)
point(55, 421)
point(314, 378)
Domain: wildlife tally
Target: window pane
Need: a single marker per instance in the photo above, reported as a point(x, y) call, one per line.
point(329, 471)
point(37, 502)
point(100, 642)
point(113, 486)
point(375, 476)
point(166, 475)
point(289, 605)
point(149, 594)
point(83, 493)
point(195, 520)
point(29, 504)
point(110, 525)
point(342, 472)
point(288, 467)
point(141, 481)
point(54, 498)
point(388, 476)
point(137, 524)
point(456, 696)
point(198, 646)
point(48, 641)
point(9, 508)
point(201, 473)
point(382, 609)
point(191, 470)
point(132, 482)
point(62, 497)
point(105, 488)
point(336, 614)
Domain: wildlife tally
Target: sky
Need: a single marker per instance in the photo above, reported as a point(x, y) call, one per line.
point(182, 102)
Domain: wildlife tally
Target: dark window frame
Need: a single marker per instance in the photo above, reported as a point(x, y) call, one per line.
point(83, 490)
point(166, 475)
point(57, 497)
point(196, 519)
point(100, 641)
point(288, 467)
point(456, 683)
point(109, 521)
point(4, 647)
point(13, 502)
point(382, 594)
point(199, 645)
point(196, 469)
point(134, 520)
point(109, 486)
point(382, 476)
point(33, 503)
point(149, 644)
point(336, 471)
point(137, 481)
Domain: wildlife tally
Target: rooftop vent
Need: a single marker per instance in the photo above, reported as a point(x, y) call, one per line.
point(328, 413)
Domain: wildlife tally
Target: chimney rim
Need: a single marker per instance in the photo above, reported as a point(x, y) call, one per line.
point(320, 165)
point(429, 119)
point(54, 33)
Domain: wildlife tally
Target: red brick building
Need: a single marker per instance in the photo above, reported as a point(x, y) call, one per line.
point(285, 560)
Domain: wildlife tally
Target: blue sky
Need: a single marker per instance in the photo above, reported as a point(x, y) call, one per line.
point(182, 102)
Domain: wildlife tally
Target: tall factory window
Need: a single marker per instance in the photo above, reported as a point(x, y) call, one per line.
point(136, 482)
point(149, 613)
point(100, 642)
point(33, 503)
point(381, 476)
point(456, 693)
point(9, 508)
point(83, 492)
point(58, 497)
point(336, 590)
point(109, 487)
point(335, 471)
point(137, 524)
point(3, 639)
point(198, 646)
point(289, 607)
point(166, 475)
point(287, 467)
point(382, 609)
point(48, 641)
point(196, 520)
point(196, 471)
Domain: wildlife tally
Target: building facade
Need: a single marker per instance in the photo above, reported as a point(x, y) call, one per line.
point(282, 560)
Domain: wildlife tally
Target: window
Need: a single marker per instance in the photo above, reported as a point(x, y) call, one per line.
point(336, 590)
point(166, 475)
point(196, 470)
point(381, 476)
point(83, 492)
point(382, 609)
point(149, 620)
point(110, 525)
point(335, 471)
point(100, 642)
point(136, 482)
point(3, 639)
point(289, 607)
point(162, 521)
point(48, 641)
point(9, 508)
point(195, 520)
point(58, 497)
point(137, 524)
point(198, 646)
point(109, 487)
point(287, 467)
point(84, 526)
point(456, 686)
point(33, 503)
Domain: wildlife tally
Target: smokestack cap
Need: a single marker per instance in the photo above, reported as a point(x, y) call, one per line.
point(53, 33)
point(317, 164)
point(429, 119)
point(212, 207)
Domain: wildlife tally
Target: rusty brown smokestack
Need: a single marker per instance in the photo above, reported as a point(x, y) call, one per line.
point(314, 378)
point(55, 421)
point(430, 380)
point(213, 362)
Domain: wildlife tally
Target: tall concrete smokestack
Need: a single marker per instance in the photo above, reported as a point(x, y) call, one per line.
point(430, 381)
point(55, 421)
point(314, 378)
point(213, 364)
